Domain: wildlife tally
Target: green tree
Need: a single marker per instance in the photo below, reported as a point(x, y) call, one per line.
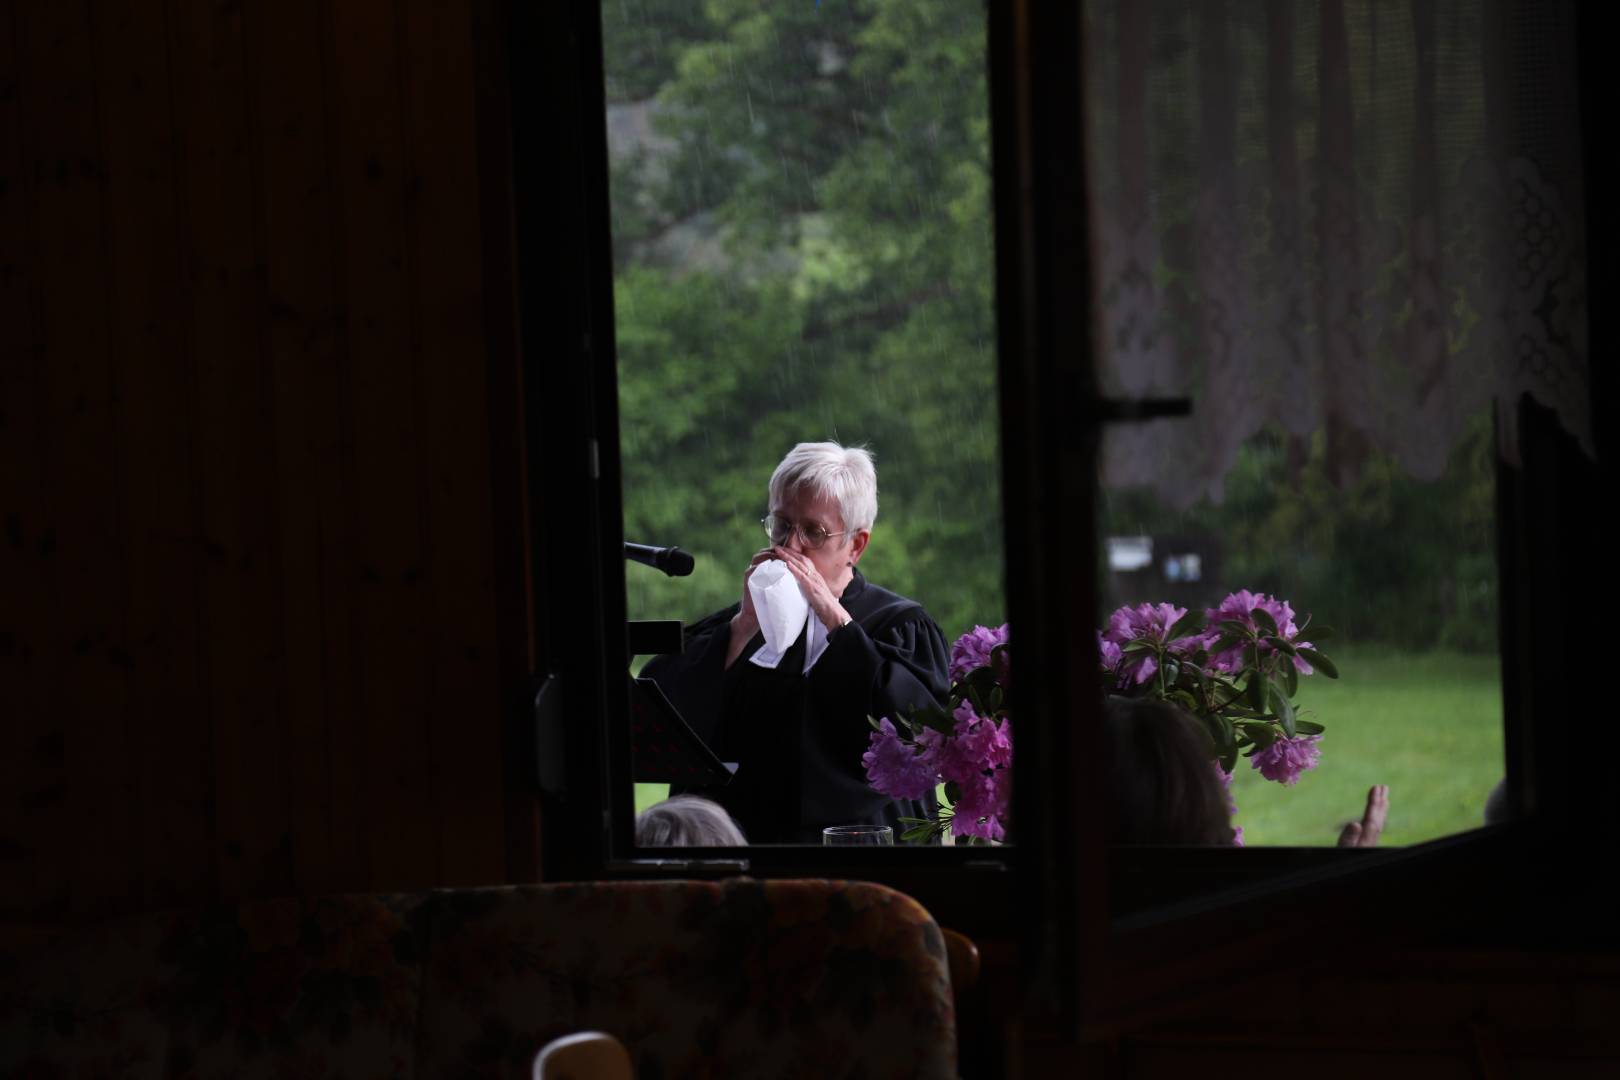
point(804, 252)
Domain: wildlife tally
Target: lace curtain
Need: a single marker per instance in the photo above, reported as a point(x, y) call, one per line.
point(1357, 218)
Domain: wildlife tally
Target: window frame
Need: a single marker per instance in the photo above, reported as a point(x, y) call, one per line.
point(1087, 959)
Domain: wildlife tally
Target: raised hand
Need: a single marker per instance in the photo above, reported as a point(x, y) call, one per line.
point(820, 595)
point(1365, 833)
point(745, 624)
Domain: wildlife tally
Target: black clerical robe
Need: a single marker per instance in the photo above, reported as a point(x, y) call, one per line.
point(798, 738)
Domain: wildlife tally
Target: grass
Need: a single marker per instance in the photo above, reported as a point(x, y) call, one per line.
point(647, 794)
point(1429, 726)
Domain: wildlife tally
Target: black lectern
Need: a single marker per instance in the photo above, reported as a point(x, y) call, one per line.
point(663, 747)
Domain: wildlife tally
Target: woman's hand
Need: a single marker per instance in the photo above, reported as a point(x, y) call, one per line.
point(745, 624)
point(1365, 833)
point(823, 601)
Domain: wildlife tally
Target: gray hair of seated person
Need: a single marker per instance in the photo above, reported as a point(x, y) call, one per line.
point(687, 821)
point(844, 474)
point(1163, 785)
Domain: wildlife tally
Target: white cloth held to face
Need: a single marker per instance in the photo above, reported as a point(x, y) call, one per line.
point(783, 614)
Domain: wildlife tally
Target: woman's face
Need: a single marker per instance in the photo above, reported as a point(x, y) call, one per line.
point(836, 558)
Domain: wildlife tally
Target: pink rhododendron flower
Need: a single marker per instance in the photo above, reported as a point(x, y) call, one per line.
point(983, 742)
point(1239, 606)
point(985, 797)
point(1226, 786)
point(974, 756)
point(947, 757)
point(1231, 803)
point(1127, 624)
point(1285, 759)
point(893, 767)
point(1108, 653)
point(974, 748)
point(972, 649)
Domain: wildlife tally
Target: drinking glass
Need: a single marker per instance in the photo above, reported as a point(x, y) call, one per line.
point(862, 835)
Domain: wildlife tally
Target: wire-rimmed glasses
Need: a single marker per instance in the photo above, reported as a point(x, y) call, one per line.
point(813, 533)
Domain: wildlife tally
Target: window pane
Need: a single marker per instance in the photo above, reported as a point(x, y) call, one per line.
point(1319, 226)
point(802, 252)
point(1404, 573)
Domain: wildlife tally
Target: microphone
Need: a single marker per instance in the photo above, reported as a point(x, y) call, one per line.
point(671, 560)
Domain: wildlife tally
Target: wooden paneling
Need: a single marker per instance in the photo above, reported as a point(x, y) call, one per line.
point(167, 710)
point(32, 779)
point(308, 397)
point(236, 481)
point(388, 554)
point(255, 597)
point(443, 230)
point(82, 559)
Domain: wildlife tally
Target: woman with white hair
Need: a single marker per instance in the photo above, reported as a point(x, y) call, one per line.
point(687, 821)
point(793, 714)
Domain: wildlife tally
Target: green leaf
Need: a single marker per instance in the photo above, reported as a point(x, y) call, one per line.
point(1264, 620)
point(1257, 691)
point(978, 683)
point(921, 832)
point(1308, 727)
point(1139, 645)
point(1290, 678)
point(934, 717)
point(1233, 626)
point(1186, 626)
point(1320, 663)
point(1285, 711)
point(1280, 644)
point(1262, 736)
point(1172, 670)
point(1318, 634)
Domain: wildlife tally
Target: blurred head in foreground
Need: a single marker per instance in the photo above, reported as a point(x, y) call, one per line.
point(1498, 806)
point(1162, 785)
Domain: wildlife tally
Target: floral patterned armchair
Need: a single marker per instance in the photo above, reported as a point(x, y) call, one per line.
point(740, 978)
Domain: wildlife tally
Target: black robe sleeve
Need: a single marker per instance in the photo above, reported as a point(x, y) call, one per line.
point(873, 667)
point(887, 672)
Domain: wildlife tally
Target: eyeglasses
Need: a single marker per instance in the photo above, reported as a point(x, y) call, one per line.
point(781, 530)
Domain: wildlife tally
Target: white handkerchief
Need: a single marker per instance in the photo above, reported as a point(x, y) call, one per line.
point(783, 615)
point(817, 643)
point(781, 608)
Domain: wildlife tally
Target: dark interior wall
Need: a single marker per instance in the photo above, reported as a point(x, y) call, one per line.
point(257, 565)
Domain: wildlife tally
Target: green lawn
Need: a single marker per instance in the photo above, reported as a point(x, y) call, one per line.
point(647, 794)
point(1429, 726)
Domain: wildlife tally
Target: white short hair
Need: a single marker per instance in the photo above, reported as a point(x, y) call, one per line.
point(844, 474)
point(687, 821)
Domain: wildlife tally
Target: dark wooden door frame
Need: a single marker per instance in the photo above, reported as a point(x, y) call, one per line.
point(1085, 968)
